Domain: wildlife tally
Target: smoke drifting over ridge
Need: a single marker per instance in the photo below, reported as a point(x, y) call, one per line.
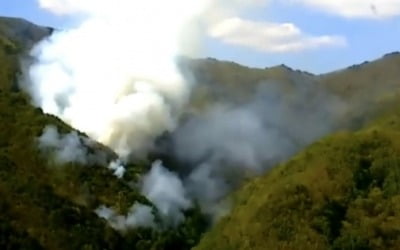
point(223, 146)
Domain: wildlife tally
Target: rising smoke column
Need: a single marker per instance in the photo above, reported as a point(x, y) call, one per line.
point(114, 75)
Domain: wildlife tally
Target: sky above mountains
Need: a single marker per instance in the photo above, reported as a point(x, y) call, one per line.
point(312, 35)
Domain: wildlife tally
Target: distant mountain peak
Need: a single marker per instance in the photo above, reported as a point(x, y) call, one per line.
point(22, 31)
point(282, 67)
point(395, 53)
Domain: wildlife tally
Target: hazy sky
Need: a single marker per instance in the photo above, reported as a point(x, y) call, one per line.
point(312, 35)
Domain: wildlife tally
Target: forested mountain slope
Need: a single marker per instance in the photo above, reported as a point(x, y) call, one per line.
point(341, 192)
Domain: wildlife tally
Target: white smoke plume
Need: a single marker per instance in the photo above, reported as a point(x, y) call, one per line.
point(166, 191)
point(114, 75)
point(118, 168)
point(70, 148)
point(139, 215)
